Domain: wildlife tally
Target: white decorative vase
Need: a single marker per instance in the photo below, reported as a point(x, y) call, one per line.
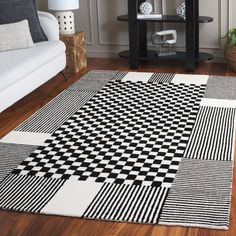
point(146, 8)
point(181, 10)
point(66, 22)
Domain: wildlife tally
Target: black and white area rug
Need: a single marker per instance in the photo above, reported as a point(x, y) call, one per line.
point(137, 147)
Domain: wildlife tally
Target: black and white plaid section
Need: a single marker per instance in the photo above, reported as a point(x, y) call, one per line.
point(119, 202)
point(11, 155)
point(200, 195)
point(99, 75)
point(213, 131)
point(56, 112)
point(221, 87)
point(161, 78)
point(120, 75)
point(131, 133)
point(27, 193)
point(155, 78)
point(93, 80)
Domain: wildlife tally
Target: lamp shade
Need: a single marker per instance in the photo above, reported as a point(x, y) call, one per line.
point(63, 5)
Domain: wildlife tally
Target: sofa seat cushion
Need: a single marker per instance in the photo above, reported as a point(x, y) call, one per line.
point(17, 64)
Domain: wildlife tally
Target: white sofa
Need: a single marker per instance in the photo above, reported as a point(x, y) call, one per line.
point(22, 71)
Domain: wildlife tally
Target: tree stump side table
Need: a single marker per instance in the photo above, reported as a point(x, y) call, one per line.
point(76, 53)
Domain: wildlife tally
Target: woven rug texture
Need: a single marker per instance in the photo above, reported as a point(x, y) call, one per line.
point(149, 148)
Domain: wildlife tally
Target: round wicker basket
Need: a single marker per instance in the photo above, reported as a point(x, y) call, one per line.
point(230, 56)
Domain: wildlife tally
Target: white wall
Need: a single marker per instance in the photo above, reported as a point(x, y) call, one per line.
point(106, 36)
point(232, 15)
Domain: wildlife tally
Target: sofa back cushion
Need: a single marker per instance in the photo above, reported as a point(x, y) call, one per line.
point(15, 36)
point(12, 11)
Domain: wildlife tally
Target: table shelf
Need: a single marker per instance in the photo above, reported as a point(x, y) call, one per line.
point(151, 55)
point(169, 18)
point(138, 35)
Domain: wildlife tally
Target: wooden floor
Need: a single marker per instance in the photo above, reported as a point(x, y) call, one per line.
point(22, 224)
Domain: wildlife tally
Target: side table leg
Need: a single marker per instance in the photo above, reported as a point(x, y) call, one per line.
point(190, 35)
point(133, 35)
point(64, 76)
point(196, 29)
point(142, 26)
point(190, 66)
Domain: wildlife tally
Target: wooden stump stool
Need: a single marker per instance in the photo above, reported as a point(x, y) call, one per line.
point(76, 53)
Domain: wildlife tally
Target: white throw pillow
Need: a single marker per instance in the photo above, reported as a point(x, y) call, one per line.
point(15, 36)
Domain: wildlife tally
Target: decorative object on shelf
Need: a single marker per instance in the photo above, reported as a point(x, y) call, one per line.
point(230, 49)
point(146, 8)
point(64, 14)
point(164, 42)
point(151, 16)
point(181, 10)
point(138, 45)
point(76, 53)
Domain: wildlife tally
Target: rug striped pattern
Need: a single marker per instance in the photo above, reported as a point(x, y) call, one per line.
point(199, 198)
point(155, 78)
point(59, 178)
point(27, 193)
point(56, 112)
point(128, 203)
point(120, 75)
point(213, 131)
point(161, 78)
point(11, 155)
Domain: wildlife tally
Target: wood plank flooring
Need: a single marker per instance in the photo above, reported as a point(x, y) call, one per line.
point(23, 224)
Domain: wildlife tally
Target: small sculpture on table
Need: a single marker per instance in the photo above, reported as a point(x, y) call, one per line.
point(164, 42)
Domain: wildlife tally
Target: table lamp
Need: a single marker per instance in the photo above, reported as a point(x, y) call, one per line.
point(64, 14)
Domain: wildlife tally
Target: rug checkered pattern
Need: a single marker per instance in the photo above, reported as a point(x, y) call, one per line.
point(116, 152)
point(124, 136)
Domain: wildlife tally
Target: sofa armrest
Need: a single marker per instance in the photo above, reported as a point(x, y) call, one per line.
point(49, 24)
